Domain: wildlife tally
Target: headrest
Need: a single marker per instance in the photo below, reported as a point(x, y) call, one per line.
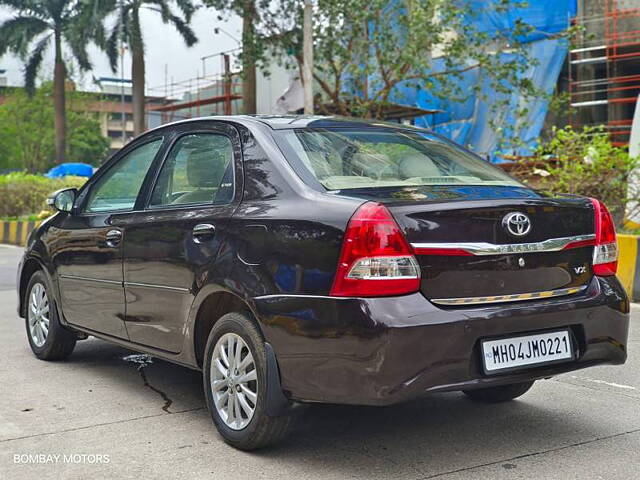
point(417, 165)
point(370, 164)
point(201, 168)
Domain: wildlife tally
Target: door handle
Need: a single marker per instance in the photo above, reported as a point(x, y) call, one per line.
point(203, 231)
point(113, 238)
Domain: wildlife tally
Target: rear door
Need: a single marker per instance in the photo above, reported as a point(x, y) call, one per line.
point(87, 250)
point(170, 246)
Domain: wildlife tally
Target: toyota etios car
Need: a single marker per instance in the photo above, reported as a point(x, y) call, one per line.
point(317, 259)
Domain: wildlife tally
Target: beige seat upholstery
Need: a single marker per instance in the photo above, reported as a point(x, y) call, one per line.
point(417, 165)
point(372, 165)
point(202, 175)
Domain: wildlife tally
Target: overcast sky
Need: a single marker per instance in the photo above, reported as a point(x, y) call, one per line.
point(164, 46)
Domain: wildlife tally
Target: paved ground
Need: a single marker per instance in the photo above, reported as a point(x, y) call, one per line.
point(582, 426)
point(9, 258)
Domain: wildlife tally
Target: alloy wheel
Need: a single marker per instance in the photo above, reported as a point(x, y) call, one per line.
point(234, 381)
point(38, 315)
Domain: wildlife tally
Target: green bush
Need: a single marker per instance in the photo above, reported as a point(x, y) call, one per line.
point(23, 194)
point(582, 162)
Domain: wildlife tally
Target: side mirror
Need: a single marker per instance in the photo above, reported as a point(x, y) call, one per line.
point(63, 200)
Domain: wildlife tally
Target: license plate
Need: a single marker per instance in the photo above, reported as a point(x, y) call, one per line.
point(517, 352)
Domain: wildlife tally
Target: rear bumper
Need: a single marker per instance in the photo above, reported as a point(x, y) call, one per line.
point(382, 351)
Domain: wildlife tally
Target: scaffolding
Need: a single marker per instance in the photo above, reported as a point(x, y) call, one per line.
point(203, 95)
point(604, 69)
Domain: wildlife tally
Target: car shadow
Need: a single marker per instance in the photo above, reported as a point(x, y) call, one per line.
point(431, 435)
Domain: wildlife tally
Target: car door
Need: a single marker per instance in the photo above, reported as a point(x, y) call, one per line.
point(170, 247)
point(87, 251)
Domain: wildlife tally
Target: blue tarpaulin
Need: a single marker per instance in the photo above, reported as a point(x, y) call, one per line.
point(466, 120)
point(75, 169)
point(545, 16)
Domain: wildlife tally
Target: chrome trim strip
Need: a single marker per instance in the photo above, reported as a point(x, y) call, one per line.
point(88, 279)
point(300, 295)
point(160, 287)
point(482, 248)
point(508, 298)
point(125, 284)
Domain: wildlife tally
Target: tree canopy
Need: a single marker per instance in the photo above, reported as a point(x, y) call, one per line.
point(368, 51)
point(27, 134)
point(127, 30)
point(38, 24)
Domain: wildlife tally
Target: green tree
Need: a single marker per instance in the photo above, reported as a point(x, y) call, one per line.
point(127, 30)
point(40, 23)
point(27, 137)
point(367, 51)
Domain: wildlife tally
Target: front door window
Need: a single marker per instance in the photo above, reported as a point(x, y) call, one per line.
point(118, 188)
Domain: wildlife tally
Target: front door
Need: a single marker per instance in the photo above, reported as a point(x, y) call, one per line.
point(170, 247)
point(88, 256)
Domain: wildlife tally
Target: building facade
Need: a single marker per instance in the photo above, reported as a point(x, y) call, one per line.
point(604, 66)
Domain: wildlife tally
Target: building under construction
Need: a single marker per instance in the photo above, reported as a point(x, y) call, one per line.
point(604, 66)
point(204, 95)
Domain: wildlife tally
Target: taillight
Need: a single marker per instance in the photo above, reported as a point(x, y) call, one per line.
point(375, 260)
point(605, 253)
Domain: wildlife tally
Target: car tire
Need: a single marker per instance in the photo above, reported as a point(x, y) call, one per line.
point(48, 339)
point(503, 393)
point(242, 430)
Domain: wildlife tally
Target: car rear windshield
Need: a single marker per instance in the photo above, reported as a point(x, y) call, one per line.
point(342, 159)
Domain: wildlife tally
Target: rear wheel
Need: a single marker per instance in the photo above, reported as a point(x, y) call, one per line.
point(503, 393)
point(48, 339)
point(235, 384)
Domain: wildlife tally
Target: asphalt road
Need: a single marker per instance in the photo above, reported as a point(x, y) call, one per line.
point(97, 416)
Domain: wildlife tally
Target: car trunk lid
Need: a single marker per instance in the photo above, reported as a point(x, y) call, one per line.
point(467, 253)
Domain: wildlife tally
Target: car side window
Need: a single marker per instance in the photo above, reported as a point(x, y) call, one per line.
point(118, 188)
point(198, 170)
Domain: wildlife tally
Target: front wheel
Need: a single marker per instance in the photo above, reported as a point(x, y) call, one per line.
point(235, 384)
point(502, 393)
point(48, 339)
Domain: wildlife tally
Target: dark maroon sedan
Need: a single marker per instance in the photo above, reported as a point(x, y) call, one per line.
point(315, 259)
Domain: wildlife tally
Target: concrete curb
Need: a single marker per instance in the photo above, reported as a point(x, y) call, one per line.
point(15, 232)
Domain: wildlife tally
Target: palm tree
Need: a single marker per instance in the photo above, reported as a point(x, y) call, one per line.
point(38, 23)
point(128, 31)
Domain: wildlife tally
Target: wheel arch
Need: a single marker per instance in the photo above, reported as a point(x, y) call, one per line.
point(210, 309)
point(31, 266)
point(212, 306)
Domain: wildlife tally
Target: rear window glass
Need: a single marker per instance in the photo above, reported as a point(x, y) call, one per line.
point(366, 158)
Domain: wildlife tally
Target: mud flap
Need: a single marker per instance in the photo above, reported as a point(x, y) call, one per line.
point(277, 403)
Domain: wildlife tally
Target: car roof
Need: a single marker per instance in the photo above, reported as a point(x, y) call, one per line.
point(286, 122)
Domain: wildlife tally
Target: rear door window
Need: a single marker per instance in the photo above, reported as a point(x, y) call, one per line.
point(198, 170)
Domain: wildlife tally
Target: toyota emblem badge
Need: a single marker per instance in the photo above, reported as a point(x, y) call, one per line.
point(517, 224)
